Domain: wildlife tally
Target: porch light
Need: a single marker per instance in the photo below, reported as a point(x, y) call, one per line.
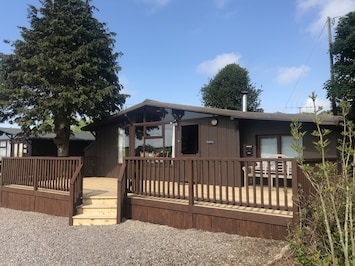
point(214, 122)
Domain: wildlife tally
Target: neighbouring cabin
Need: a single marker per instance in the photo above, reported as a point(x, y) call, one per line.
point(14, 144)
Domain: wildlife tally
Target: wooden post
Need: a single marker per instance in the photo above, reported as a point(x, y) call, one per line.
point(119, 201)
point(191, 183)
point(35, 177)
point(76, 183)
point(121, 190)
point(191, 191)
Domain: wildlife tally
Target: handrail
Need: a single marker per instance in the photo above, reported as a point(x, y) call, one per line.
point(75, 190)
point(39, 172)
point(213, 180)
point(62, 174)
point(121, 191)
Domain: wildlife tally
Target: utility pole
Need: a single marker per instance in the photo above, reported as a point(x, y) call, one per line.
point(330, 50)
point(331, 63)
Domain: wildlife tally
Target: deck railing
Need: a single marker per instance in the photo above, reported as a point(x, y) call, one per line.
point(230, 181)
point(76, 190)
point(40, 172)
point(55, 174)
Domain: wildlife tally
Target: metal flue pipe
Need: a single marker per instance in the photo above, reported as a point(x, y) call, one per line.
point(244, 100)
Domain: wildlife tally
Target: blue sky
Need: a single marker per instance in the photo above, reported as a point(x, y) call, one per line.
point(173, 47)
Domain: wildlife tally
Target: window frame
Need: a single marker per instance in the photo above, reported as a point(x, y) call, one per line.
point(278, 141)
point(145, 137)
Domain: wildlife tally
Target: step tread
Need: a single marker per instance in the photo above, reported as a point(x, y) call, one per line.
point(93, 216)
point(93, 206)
point(98, 208)
point(99, 197)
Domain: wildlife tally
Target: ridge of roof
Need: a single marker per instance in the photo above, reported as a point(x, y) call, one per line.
point(303, 117)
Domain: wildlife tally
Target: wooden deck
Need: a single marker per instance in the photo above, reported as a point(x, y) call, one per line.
point(175, 212)
point(180, 193)
point(214, 217)
point(209, 216)
point(48, 185)
point(101, 187)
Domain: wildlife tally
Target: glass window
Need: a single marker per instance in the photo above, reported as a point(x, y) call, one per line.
point(286, 148)
point(169, 140)
point(189, 140)
point(268, 146)
point(157, 140)
point(4, 149)
point(123, 148)
point(155, 131)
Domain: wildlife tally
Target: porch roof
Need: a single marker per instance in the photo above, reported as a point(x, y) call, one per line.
point(303, 117)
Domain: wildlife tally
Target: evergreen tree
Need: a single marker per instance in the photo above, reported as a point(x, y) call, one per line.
point(63, 67)
point(342, 87)
point(226, 88)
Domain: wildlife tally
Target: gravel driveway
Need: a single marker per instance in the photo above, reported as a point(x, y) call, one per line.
point(28, 238)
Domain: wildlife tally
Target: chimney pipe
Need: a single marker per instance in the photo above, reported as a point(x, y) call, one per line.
point(244, 100)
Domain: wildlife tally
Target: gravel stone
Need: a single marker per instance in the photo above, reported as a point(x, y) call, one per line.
point(29, 238)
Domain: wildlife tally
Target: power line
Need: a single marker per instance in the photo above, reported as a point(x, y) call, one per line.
point(304, 65)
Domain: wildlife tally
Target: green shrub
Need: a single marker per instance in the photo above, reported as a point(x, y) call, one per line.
point(325, 232)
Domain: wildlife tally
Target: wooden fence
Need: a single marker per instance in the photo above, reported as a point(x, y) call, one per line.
point(51, 185)
point(212, 194)
point(215, 180)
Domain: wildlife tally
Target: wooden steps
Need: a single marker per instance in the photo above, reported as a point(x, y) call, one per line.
point(96, 210)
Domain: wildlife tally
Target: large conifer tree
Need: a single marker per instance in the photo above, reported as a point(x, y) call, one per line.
point(63, 67)
point(226, 88)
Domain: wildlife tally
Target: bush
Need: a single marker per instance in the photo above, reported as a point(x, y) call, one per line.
point(325, 232)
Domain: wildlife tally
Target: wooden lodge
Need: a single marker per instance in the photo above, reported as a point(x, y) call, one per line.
point(183, 166)
point(13, 143)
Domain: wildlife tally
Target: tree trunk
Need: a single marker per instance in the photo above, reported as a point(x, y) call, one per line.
point(62, 141)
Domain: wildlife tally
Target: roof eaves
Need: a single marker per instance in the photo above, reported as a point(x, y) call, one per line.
point(10, 131)
point(325, 119)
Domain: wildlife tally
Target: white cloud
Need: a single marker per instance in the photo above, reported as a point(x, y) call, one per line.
point(308, 107)
point(324, 9)
point(155, 5)
point(126, 86)
point(123, 80)
point(287, 75)
point(307, 4)
point(211, 67)
point(221, 3)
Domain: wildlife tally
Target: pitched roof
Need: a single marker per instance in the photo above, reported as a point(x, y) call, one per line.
point(303, 117)
point(16, 132)
point(9, 131)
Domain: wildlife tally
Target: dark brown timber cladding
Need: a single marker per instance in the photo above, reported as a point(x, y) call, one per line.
point(36, 201)
point(183, 216)
point(107, 155)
